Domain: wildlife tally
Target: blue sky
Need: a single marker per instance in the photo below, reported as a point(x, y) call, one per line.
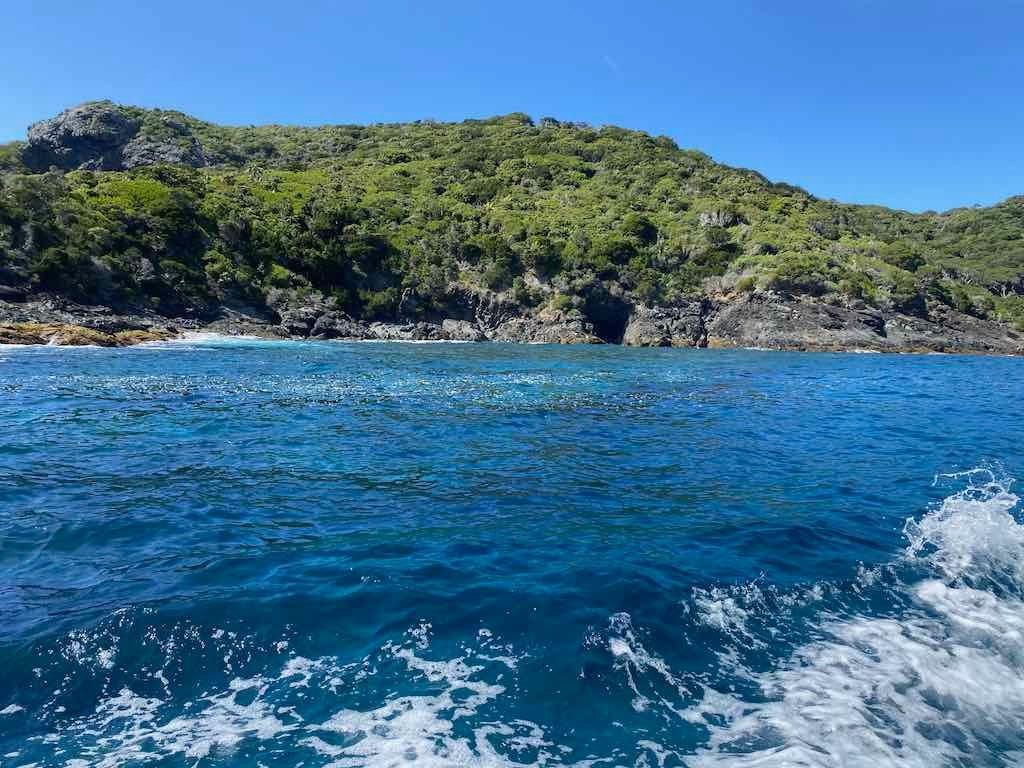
point(910, 104)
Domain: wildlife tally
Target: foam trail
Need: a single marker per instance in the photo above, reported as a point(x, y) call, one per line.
point(940, 684)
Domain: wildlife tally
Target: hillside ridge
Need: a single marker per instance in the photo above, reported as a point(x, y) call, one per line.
point(522, 230)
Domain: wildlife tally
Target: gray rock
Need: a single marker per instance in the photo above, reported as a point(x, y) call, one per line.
point(774, 321)
point(299, 320)
point(485, 309)
point(337, 325)
point(405, 332)
point(718, 219)
point(680, 326)
point(100, 136)
point(461, 330)
point(90, 136)
point(46, 309)
point(548, 327)
point(951, 331)
point(145, 151)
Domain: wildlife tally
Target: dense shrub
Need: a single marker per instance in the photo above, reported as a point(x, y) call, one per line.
point(365, 212)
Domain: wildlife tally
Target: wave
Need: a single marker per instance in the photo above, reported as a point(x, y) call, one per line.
point(129, 728)
point(938, 683)
point(919, 662)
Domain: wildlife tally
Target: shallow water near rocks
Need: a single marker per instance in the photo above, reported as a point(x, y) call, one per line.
point(248, 553)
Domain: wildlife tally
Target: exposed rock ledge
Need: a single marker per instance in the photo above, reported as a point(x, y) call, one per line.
point(64, 335)
point(776, 322)
point(761, 320)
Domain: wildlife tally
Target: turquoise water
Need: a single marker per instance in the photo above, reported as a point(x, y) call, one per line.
point(279, 553)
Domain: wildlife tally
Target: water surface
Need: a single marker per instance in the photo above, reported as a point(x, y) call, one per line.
point(250, 553)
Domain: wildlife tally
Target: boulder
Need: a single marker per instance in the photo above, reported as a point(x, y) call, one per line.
point(101, 136)
point(337, 325)
point(461, 330)
point(679, 326)
point(90, 136)
point(405, 332)
point(547, 327)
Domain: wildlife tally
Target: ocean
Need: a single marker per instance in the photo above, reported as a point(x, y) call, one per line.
point(238, 552)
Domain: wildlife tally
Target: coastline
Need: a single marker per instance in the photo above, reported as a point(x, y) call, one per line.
point(65, 334)
point(758, 320)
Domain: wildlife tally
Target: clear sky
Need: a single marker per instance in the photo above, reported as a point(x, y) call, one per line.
point(907, 103)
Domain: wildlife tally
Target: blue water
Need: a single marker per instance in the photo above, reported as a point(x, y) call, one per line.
point(279, 553)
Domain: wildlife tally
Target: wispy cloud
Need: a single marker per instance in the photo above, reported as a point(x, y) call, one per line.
point(613, 65)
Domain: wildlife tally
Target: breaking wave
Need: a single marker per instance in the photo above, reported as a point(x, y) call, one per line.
point(938, 682)
point(916, 663)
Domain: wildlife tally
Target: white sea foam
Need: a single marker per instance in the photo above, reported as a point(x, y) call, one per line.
point(638, 664)
point(128, 728)
point(207, 337)
point(938, 682)
point(728, 610)
point(403, 341)
point(416, 729)
point(938, 685)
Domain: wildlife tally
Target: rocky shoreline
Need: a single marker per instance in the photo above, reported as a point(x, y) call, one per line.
point(760, 320)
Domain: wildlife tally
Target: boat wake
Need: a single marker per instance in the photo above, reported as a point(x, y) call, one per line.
point(938, 682)
point(917, 663)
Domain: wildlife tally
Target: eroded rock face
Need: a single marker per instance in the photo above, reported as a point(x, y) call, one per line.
point(773, 321)
point(718, 219)
point(461, 330)
point(952, 331)
point(337, 325)
point(405, 332)
point(100, 136)
point(548, 327)
point(183, 150)
point(89, 136)
point(681, 326)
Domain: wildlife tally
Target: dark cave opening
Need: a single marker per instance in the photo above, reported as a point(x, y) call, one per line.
point(609, 315)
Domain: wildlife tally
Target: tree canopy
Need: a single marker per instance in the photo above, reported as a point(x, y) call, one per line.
point(537, 210)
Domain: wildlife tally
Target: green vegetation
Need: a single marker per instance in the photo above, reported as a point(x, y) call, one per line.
point(537, 210)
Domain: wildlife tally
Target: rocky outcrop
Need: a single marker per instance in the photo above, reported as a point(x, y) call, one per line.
point(761, 320)
point(405, 332)
point(100, 136)
point(77, 335)
point(774, 321)
point(679, 326)
point(770, 320)
point(43, 309)
point(89, 136)
point(462, 330)
point(950, 331)
point(547, 327)
point(337, 325)
point(718, 219)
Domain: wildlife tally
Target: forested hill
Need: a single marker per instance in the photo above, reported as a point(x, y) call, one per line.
point(130, 207)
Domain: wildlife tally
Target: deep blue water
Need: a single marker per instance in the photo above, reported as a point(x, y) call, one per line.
point(280, 553)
